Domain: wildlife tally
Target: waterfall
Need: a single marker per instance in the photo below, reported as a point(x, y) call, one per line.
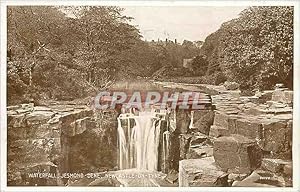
point(138, 145)
point(166, 142)
point(192, 120)
point(123, 152)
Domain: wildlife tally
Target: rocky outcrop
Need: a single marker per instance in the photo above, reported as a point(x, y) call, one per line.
point(248, 133)
point(55, 139)
point(241, 136)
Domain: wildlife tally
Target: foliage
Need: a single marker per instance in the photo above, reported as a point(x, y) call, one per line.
point(71, 52)
point(64, 52)
point(256, 49)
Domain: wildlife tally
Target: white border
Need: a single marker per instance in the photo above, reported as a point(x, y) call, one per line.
point(296, 119)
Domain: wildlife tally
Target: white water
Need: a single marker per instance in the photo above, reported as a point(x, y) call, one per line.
point(166, 142)
point(138, 145)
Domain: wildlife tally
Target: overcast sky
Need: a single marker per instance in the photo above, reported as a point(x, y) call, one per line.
point(191, 23)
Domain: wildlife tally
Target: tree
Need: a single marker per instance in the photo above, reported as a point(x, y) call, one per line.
point(34, 33)
point(55, 54)
point(256, 49)
point(102, 33)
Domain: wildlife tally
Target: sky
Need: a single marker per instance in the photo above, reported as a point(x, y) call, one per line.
point(190, 23)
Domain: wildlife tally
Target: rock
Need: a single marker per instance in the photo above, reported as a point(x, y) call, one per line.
point(288, 169)
point(253, 99)
point(282, 96)
point(41, 135)
point(285, 117)
point(221, 119)
point(265, 96)
point(70, 126)
point(236, 177)
point(15, 121)
point(19, 133)
point(11, 113)
point(234, 93)
point(184, 144)
point(172, 176)
point(279, 85)
point(286, 110)
point(274, 165)
point(23, 110)
point(13, 107)
point(259, 178)
point(274, 135)
point(203, 120)
point(231, 85)
point(32, 152)
point(250, 105)
point(39, 132)
point(249, 127)
point(44, 167)
point(182, 121)
point(237, 154)
point(200, 152)
point(255, 111)
point(201, 173)
point(42, 108)
point(273, 104)
point(225, 121)
point(80, 125)
point(289, 95)
point(39, 117)
point(198, 139)
point(217, 131)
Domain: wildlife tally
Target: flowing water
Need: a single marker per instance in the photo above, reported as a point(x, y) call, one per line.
point(139, 140)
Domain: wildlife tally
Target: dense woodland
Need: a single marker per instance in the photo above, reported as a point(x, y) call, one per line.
point(63, 53)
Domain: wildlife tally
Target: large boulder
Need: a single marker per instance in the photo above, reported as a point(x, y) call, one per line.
point(249, 127)
point(201, 173)
point(237, 154)
point(276, 136)
point(226, 121)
